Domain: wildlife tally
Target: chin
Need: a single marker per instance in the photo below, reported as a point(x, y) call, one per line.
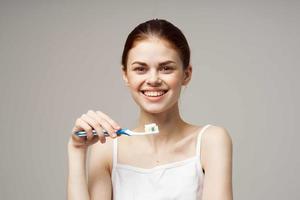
point(155, 109)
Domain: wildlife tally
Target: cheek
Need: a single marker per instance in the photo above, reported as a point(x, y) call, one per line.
point(174, 82)
point(135, 82)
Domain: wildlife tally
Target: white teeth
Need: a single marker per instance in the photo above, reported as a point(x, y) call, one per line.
point(154, 93)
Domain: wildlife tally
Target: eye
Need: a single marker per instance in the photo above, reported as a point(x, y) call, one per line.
point(139, 69)
point(166, 69)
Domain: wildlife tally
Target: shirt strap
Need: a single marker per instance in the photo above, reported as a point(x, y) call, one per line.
point(115, 152)
point(199, 139)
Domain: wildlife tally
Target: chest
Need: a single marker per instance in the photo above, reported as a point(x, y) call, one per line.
point(143, 156)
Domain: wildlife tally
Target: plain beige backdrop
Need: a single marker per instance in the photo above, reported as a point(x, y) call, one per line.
point(58, 59)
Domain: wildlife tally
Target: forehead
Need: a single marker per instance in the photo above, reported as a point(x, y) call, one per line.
point(153, 51)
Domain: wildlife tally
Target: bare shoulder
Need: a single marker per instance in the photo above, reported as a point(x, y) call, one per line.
point(99, 170)
point(216, 144)
point(101, 154)
point(217, 135)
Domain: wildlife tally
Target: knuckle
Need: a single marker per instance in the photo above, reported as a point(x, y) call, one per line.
point(97, 126)
point(101, 121)
point(99, 113)
point(111, 131)
point(115, 124)
point(102, 139)
point(90, 112)
point(93, 123)
point(88, 129)
point(74, 129)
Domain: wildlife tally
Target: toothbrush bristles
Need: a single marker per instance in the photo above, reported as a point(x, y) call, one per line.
point(151, 128)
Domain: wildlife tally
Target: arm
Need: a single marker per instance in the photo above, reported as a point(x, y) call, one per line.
point(99, 173)
point(216, 159)
point(77, 186)
point(99, 162)
point(98, 183)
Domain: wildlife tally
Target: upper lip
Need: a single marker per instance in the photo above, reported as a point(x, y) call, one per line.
point(143, 91)
point(154, 90)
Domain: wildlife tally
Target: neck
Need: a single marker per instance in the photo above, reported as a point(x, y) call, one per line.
point(170, 124)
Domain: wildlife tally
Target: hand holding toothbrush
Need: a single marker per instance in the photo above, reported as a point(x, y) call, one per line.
point(95, 126)
point(95, 122)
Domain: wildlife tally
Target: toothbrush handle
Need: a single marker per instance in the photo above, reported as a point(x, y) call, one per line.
point(83, 133)
point(119, 132)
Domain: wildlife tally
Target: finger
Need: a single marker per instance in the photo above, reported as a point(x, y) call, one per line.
point(93, 141)
point(98, 127)
point(102, 140)
point(105, 124)
point(109, 129)
point(78, 141)
point(114, 124)
point(82, 125)
point(93, 125)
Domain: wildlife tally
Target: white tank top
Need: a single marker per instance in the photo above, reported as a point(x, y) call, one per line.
point(181, 180)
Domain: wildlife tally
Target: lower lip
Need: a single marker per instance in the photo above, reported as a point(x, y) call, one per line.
point(157, 98)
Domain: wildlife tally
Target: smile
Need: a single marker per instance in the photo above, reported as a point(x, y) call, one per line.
point(156, 93)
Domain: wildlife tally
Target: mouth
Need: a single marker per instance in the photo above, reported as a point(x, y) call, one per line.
point(154, 93)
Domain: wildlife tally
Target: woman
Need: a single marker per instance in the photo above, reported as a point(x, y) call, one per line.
point(184, 161)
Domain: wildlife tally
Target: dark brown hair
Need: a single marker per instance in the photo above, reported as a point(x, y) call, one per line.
point(161, 29)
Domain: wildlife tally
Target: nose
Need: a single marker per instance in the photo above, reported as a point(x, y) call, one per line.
point(153, 79)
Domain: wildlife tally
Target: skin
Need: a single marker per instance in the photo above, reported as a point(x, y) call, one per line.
point(145, 72)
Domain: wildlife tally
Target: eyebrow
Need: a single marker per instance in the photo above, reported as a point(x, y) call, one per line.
point(144, 64)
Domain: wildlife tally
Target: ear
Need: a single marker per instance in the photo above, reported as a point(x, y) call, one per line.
point(187, 75)
point(124, 75)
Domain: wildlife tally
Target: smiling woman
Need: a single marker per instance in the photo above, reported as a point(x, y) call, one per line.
point(184, 161)
point(154, 73)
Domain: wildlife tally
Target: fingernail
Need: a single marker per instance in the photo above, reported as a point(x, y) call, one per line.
point(114, 135)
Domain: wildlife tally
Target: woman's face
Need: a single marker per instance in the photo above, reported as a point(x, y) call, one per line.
point(155, 75)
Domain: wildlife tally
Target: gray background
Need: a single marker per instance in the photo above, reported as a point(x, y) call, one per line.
point(59, 59)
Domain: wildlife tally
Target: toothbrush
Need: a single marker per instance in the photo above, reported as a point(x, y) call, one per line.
point(149, 129)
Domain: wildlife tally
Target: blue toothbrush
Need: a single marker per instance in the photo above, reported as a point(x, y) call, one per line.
point(149, 129)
